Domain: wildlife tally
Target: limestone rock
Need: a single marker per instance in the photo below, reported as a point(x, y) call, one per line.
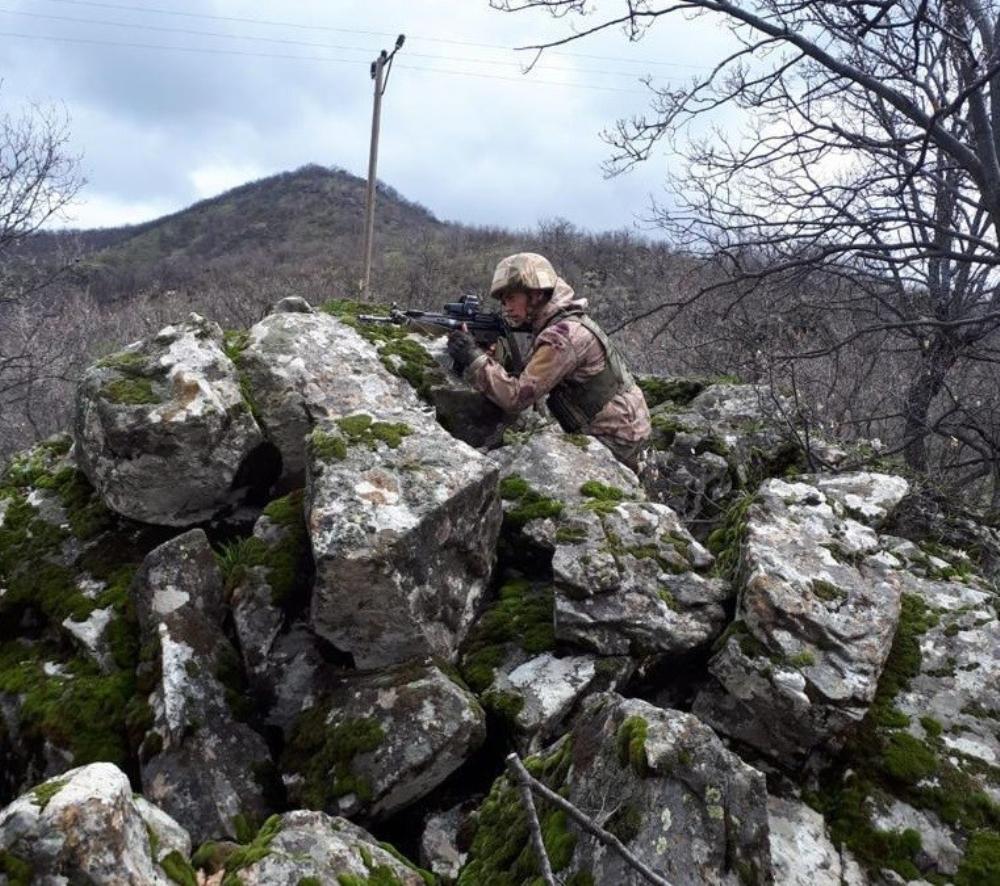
point(508, 660)
point(802, 853)
point(180, 576)
point(377, 742)
point(443, 848)
point(554, 465)
point(303, 368)
point(403, 521)
point(84, 826)
point(659, 780)
point(162, 428)
point(815, 622)
point(627, 583)
point(191, 716)
point(304, 846)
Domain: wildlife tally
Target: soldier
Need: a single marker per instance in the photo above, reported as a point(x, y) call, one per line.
point(589, 388)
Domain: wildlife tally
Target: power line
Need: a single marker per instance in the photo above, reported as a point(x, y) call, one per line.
point(242, 53)
point(315, 27)
point(307, 43)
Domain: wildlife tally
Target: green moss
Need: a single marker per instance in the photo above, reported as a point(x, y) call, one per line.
point(130, 362)
point(43, 794)
point(323, 755)
point(581, 441)
point(212, 856)
point(666, 595)
point(658, 390)
point(398, 352)
point(826, 591)
point(286, 559)
point(803, 659)
point(130, 392)
point(625, 823)
point(235, 557)
point(521, 615)
point(726, 542)
point(501, 853)
point(907, 759)
point(505, 706)
point(594, 489)
point(178, 869)
point(17, 871)
point(571, 534)
point(361, 430)
point(880, 762)
point(326, 447)
point(531, 505)
point(630, 740)
point(310, 881)
point(931, 726)
point(253, 851)
point(83, 712)
point(426, 876)
point(234, 343)
point(981, 863)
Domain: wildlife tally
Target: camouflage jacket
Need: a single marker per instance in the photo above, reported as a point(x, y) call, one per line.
point(565, 350)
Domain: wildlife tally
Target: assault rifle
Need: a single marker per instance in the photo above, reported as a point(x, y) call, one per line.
point(486, 328)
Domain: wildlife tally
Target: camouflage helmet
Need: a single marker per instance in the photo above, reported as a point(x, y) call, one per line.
point(525, 270)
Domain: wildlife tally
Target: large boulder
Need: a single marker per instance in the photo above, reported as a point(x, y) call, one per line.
point(403, 521)
point(306, 367)
point(818, 608)
point(163, 428)
point(659, 780)
point(194, 710)
point(87, 827)
point(305, 847)
point(629, 581)
point(376, 743)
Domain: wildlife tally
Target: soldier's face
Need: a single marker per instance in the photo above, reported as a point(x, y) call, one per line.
point(516, 308)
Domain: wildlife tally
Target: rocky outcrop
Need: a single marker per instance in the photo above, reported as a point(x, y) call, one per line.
point(376, 743)
point(311, 847)
point(163, 428)
point(86, 826)
point(307, 367)
point(193, 713)
point(817, 611)
point(629, 581)
point(659, 780)
point(403, 522)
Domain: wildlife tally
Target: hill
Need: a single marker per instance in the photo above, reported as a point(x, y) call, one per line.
point(313, 213)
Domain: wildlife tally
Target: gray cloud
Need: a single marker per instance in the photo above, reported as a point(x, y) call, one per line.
point(161, 129)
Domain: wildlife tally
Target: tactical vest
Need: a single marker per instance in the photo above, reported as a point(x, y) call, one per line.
point(575, 404)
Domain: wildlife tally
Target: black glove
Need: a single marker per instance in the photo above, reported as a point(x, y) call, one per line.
point(463, 349)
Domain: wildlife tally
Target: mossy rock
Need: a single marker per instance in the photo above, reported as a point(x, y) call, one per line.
point(521, 616)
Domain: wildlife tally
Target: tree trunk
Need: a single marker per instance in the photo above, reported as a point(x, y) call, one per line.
point(935, 363)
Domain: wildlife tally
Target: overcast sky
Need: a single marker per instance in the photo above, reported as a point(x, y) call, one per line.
point(463, 132)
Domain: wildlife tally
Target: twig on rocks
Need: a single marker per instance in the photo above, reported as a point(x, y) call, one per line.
point(526, 781)
point(523, 781)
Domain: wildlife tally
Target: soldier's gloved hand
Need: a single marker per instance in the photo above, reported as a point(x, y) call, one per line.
point(463, 349)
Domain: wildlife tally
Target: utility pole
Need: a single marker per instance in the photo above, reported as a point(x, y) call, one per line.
point(380, 67)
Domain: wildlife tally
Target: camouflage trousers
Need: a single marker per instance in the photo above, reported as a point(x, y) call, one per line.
point(633, 455)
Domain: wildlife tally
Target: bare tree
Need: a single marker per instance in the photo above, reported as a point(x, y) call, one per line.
point(38, 179)
point(869, 164)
